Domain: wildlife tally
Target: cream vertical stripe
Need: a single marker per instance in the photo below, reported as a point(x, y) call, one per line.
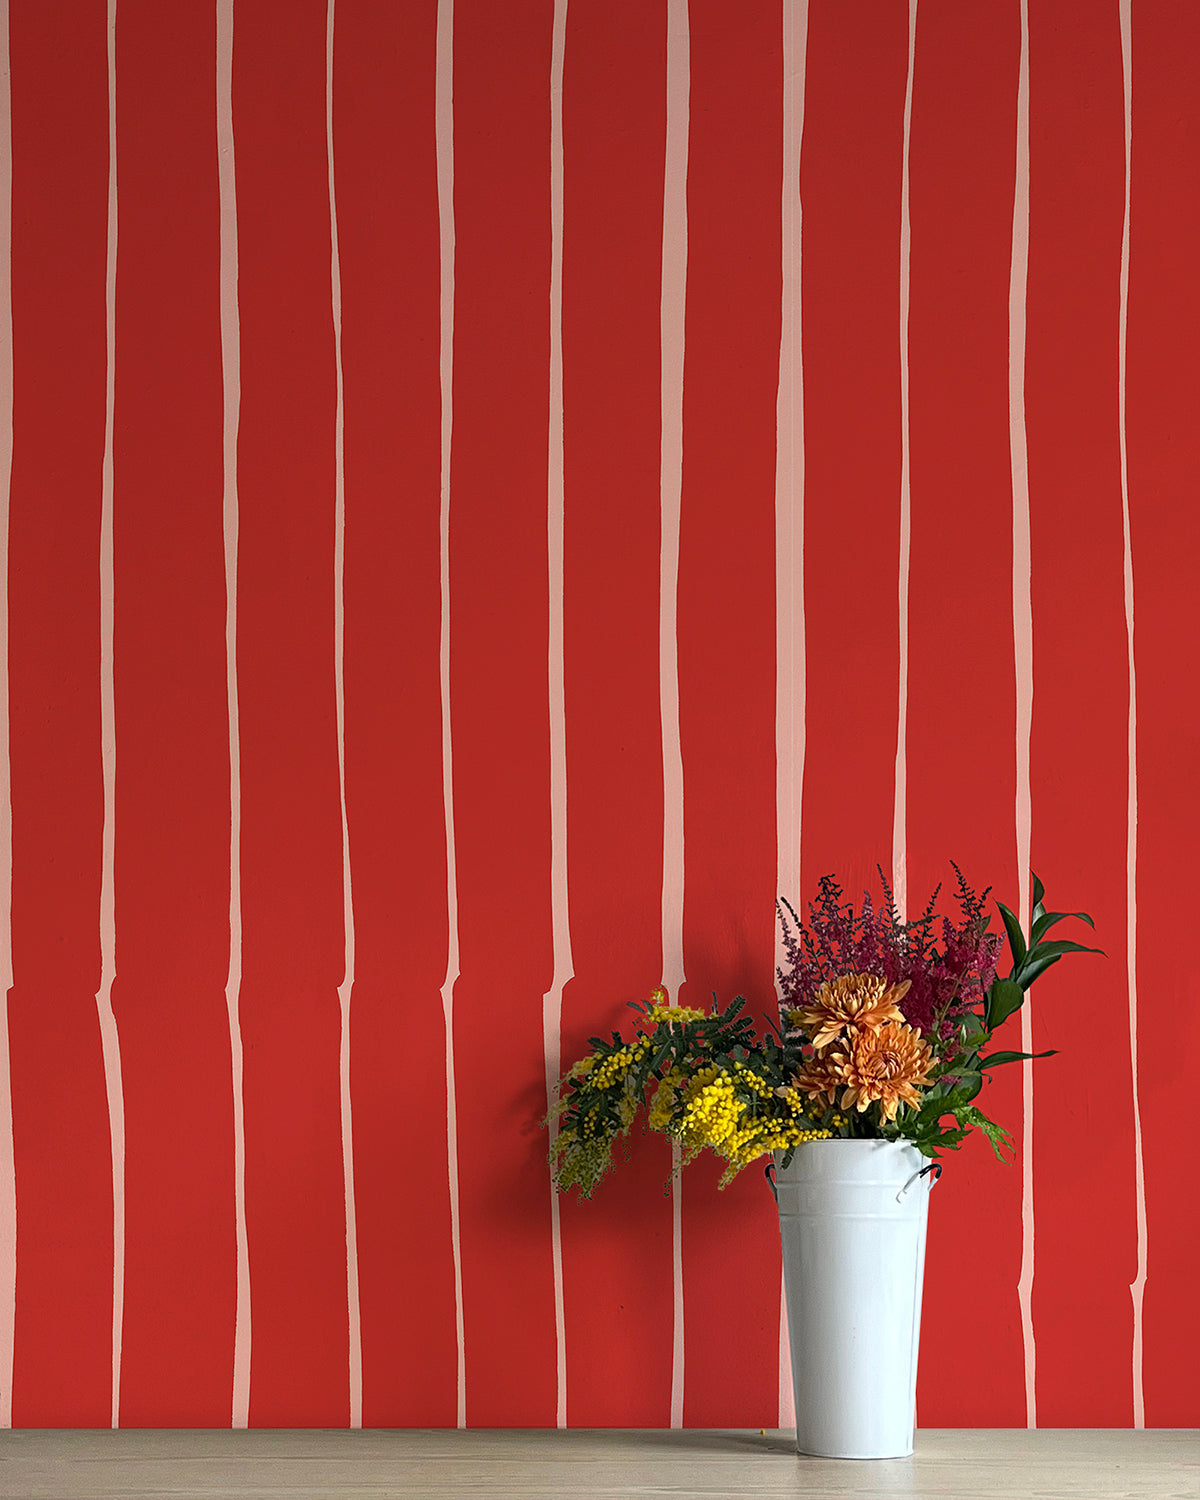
point(109, 1042)
point(1023, 667)
point(8, 1179)
point(672, 331)
point(900, 799)
point(444, 130)
point(1138, 1286)
point(231, 383)
point(789, 536)
point(555, 506)
point(346, 988)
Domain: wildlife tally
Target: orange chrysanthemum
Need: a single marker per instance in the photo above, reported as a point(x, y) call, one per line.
point(884, 1066)
point(864, 1001)
point(821, 1078)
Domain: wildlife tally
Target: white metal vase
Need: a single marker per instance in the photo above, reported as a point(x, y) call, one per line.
point(852, 1220)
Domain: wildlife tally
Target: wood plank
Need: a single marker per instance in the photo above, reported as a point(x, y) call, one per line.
point(429, 1465)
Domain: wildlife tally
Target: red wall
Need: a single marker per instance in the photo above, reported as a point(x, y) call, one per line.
point(461, 567)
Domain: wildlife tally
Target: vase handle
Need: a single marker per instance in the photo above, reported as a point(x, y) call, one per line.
point(934, 1166)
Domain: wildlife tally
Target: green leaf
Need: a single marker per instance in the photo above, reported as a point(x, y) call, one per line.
point(996, 1134)
point(659, 1056)
point(1033, 968)
point(948, 1140)
point(998, 1059)
point(1045, 954)
point(1004, 997)
point(962, 1092)
point(1047, 920)
point(1060, 947)
point(1016, 938)
point(1039, 895)
point(959, 1097)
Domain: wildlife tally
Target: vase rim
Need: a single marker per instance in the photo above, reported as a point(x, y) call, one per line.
point(843, 1140)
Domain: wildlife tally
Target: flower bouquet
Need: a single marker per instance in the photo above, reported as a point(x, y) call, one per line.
point(883, 1034)
point(883, 1043)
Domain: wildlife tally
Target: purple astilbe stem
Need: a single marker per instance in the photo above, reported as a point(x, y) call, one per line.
point(945, 983)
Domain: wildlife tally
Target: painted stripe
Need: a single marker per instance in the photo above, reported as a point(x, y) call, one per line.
point(1138, 1286)
point(444, 117)
point(1023, 661)
point(789, 536)
point(672, 331)
point(8, 1178)
point(346, 988)
point(555, 506)
point(900, 802)
point(232, 394)
point(109, 1041)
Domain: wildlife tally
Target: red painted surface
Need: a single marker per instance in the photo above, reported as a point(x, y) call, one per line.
point(388, 238)
point(60, 1117)
point(1164, 459)
point(614, 121)
point(292, 947)
point(172, 812)
point(726, 630)
point(1080, 785)
point(498, 701)
point(961, 700)
point(172, 834)
point(850, 194)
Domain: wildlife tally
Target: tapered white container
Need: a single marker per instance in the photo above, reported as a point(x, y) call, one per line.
point(852, 1220)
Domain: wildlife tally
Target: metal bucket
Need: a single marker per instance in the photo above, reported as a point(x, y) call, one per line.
point(852, 1222)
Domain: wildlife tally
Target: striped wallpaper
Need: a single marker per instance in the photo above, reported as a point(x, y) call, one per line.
point(494, 494)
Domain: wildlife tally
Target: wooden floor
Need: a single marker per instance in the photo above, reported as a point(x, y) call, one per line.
point(587, 1465)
